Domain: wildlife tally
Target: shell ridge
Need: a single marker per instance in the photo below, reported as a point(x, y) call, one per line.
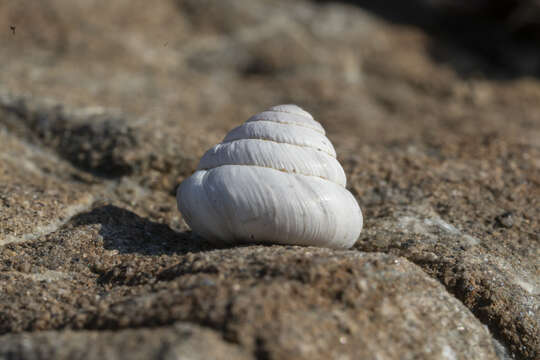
point(282, 133)
point(281, 142)
point(279, 156)
point(291, 123)
point(290, 112)
point(291, 109)
point(281, 170)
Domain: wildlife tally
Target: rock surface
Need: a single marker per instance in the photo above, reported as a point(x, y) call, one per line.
point(179, 341)
point(102, 114)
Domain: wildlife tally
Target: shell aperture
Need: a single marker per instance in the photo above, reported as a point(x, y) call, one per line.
point(274, 179)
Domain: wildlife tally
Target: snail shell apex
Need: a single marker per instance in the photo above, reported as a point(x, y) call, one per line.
point(273, 179)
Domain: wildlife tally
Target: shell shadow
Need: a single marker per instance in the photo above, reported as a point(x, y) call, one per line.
point(127, 232)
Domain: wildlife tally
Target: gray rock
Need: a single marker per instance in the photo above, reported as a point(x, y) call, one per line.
point(180, 341)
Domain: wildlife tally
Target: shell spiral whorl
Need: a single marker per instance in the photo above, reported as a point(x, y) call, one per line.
point(274, 179)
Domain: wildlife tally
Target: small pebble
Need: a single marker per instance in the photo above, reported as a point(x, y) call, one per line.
point(505, 220)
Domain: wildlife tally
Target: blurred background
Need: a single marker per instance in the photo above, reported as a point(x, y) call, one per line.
point(374, 65)
point(156, 84)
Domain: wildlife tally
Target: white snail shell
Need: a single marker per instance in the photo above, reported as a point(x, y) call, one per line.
point(274, 179)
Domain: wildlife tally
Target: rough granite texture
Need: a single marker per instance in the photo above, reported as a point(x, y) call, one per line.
point(106, 107)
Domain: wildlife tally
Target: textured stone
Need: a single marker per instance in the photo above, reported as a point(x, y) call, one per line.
point(180, 341)
point(98, 141)
point(443, 215)
point(34, 199)
point(284, 302)
point(430, 113)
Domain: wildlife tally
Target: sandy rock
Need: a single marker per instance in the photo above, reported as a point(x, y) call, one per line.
point(285, 302)
point(435, 116)
point(450, 226)
point(180, 341)
point(34, 200)
point(96, 140)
